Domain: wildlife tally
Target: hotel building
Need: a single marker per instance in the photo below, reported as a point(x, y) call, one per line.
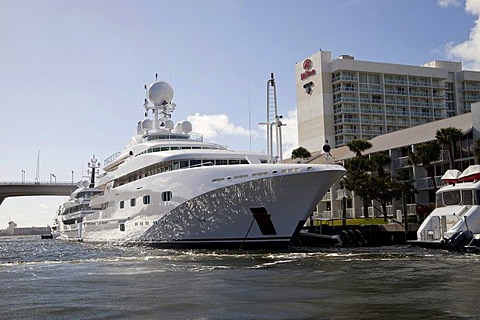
point(345, 99)
point(398, 145)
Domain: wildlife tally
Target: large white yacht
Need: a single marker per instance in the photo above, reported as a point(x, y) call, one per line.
point(455, 222)
point(68, 222)
point(169, 188)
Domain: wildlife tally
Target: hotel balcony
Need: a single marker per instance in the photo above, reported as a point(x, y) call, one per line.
point(347, 120)
point(471, 88)
point(350, 214)
point(420, 83)
point(344, 88)
point(371, 111)
point(345, 78)
point(327, 196)
point(371, 100)
point(426, 183)
point(391, 211)
point(395, 81)
point(421, 103)
point(343, 193)
point(420, 94)
point(401, 162)
point(347, 131)
point(345, 110)
point(396, 92)
point(345, 99)
point(371, 89)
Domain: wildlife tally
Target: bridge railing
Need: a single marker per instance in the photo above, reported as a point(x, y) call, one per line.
point(36, 183)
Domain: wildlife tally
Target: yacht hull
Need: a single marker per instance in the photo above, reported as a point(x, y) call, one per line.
point(258, 213)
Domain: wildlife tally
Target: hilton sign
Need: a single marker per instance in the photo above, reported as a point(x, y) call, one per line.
point(307, 66)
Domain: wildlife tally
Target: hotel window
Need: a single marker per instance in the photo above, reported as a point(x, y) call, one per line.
point(132, 202)
point(146, 199)
point(166, 195)
point(122, 204)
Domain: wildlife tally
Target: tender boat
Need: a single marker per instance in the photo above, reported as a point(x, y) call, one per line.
point(168, 188)
point(455, 222)
point(68, 223)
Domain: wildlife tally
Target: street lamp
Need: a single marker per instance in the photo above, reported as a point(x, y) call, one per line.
point(72, 176)
point(23, 176)
point(54, 177)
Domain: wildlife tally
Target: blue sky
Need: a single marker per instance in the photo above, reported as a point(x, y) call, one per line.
point(72, 72)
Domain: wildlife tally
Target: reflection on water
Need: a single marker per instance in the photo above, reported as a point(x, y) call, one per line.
point(56, 280)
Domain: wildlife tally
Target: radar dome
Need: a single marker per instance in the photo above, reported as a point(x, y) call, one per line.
point(159, 92)
point(169, 124)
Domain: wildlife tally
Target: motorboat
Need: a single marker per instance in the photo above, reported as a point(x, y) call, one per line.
point(68, 222)
point(455, 222)
point(170, 189)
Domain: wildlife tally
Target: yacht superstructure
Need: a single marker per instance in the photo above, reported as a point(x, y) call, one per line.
point(68, 222)
point(455, 222)
point(169, 188)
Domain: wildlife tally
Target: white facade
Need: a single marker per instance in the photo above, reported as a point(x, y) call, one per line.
point(345, 99)
point(398, 145)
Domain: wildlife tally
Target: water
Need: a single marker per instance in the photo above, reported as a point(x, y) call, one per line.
point(49, 279)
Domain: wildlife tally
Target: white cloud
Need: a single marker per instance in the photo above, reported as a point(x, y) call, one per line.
point(468, 51)
point(212, 126)
point(289, 134)
point(447, 3)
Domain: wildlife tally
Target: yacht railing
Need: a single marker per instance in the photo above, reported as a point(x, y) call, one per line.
point(110, 159)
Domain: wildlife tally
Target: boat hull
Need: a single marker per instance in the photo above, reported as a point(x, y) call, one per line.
point(259, 213)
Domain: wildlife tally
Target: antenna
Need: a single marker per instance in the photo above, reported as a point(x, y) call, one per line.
point(37, 175)
point(249, 116)
point(273, 119)
point(93, 165)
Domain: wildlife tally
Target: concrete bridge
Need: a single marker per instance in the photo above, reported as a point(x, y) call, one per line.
point(23, 189)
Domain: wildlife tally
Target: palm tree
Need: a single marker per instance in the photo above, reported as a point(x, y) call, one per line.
point(301, 153)
point(358, 146)
point(358, 172)
point(425, 154)
point(447, 137)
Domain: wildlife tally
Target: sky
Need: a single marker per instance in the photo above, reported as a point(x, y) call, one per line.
point(72, 73)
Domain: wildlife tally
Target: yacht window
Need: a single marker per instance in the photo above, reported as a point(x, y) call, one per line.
point(221, 162)
point(146, 199)
point(176, 165)
point(184, 164)
point(132, 202)
point(195, 163)
point(233, 161)
point(166, 195)
point(439, 202)
point(208, 162)
point(467, 197)
point(451, 198)
point(243, 162)
point(122, 226)
point(174, 148)
point(164, 148)
point(184, 148)
point(122, 204)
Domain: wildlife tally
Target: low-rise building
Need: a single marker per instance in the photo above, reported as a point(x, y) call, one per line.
point(398, 145)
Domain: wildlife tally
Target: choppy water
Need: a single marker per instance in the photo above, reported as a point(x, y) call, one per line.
point(49, 279)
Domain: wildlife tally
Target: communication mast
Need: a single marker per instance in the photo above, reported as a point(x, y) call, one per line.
point(273, 120)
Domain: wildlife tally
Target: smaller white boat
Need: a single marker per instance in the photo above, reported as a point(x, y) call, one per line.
point(455, 222)
point(68, 224)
